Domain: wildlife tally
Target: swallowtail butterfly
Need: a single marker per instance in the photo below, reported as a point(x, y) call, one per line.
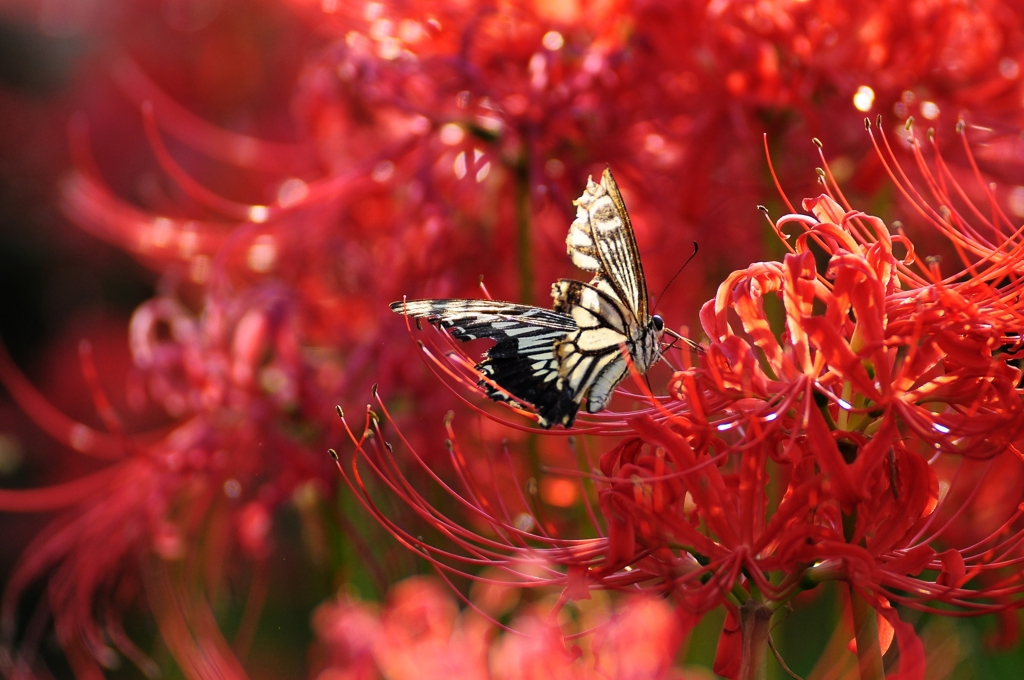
point(553, 360)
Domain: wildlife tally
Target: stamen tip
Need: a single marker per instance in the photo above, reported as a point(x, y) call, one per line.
point(334, 454)
point(373, 390)
point(817, 142)
point(341, 413)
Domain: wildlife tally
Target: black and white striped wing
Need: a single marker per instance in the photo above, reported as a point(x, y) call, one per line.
point(601, 240)
point(554, 360)
point(591, 358)
point(523, 363)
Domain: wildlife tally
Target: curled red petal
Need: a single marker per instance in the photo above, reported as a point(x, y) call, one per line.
point(912, 663)
point(954, 571)
point(730, 648)
point(826, 452)
point(577, 587)
point(913, 561)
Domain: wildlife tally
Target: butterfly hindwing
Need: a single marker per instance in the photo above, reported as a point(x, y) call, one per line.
point(592, 359)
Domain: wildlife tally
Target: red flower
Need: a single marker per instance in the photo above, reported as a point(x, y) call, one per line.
point(430, 133)
point(420, 633)
point(196, 497)
point(795, 457)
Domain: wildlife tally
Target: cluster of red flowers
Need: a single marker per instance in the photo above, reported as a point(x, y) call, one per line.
point(421, 634)
point(820, 451)
point(433, 132)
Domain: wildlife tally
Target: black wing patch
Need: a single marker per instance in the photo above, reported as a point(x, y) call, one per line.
point(591, 359)
point(523, 363)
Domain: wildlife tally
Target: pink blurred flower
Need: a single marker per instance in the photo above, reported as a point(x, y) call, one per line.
point(420, 633)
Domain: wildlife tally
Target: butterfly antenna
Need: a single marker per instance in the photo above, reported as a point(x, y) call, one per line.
point(693, 345)
point(674, 277)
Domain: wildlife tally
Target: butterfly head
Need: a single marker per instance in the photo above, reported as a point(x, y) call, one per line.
point(648, 350)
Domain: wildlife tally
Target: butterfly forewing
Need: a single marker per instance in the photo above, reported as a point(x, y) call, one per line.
point(601, 241)
point(472, 319)
point(523, 362)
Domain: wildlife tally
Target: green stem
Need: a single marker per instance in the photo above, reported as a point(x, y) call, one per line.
point(754, 625)
point(844, 415)
point(865, 628)
point(523, 219)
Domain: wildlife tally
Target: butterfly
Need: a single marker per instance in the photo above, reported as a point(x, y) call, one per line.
point(554, 360)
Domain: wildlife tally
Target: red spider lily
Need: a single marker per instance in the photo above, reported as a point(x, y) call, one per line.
point(421, 634)
point(178, 512)
point(478, 115)
point(427, 118)
point(790, 458)
point(879, 371)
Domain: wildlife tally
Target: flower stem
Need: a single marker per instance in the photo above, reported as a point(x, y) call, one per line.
point(865, 627)
point(844, 415)
point(754, 620)
point(524, 252)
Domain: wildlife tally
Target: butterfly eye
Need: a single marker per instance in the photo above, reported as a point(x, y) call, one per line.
point(657, 323)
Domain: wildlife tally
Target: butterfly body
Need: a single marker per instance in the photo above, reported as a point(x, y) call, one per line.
point(554, 360)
